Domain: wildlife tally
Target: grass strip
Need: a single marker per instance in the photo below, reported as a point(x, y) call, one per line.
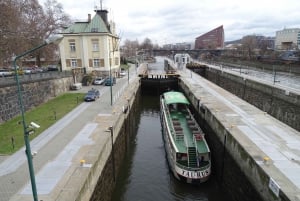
point(11, 132)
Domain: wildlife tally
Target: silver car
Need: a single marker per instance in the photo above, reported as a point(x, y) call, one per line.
point(99, 81)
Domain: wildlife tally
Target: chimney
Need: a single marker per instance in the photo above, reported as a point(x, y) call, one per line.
point(89, 18)
point(103, 14)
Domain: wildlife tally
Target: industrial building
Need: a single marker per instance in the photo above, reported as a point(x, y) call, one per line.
point(213, 39)
point(287, 39)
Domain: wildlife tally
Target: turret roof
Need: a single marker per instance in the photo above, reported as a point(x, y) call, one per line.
point(96, 25)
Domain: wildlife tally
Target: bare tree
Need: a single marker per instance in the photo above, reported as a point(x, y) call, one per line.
point(54, 21)
point(32, 32)
point(249, 43)
point(24, 24)
point(147, 44)
point(9, 30)
point(129, 48)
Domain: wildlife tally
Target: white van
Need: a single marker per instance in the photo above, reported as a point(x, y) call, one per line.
point(76, 86)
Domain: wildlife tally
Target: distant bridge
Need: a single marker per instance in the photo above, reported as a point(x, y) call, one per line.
point(192, 53)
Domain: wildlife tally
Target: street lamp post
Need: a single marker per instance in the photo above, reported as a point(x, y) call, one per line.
point(128, 74)
point(111, 82)
point(26, 129)
point(113, 46)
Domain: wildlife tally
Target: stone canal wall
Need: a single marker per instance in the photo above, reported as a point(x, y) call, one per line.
point(103, 174)
point(225, 167)
point(233, 164)
point(34, 93)
point(282, 104)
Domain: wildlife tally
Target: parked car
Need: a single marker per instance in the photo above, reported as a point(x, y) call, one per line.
point(5, 72)
point(76, 86)
point(52, 68)
point(27, 70)
point(98, 81)
point(122, 73)
point(110, 81)
point(92, 95)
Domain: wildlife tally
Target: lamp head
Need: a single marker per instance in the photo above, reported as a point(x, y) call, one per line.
point(55, 38)
point(34, 125)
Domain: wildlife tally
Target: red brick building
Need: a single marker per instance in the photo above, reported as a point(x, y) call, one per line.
point(213, 39)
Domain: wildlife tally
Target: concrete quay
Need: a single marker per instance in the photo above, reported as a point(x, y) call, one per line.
point(266, 150)
point(72, 153)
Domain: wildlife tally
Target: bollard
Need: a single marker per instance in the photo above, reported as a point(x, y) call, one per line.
point(13, 142)
point(82, 162)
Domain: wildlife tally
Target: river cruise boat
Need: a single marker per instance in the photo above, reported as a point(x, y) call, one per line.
point(187, 151)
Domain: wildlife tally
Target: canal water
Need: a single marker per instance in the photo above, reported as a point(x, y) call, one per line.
point(145, 175)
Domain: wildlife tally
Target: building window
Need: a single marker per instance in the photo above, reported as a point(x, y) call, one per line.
point(96, 63)
point(95, 44)
point(116, 61)
point(73, 63)
point(72, 47)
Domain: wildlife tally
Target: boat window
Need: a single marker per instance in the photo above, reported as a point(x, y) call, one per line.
point(181, 156)
point(175, 106)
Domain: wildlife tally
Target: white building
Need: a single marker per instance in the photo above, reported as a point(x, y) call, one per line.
point(181, 60)
point(287, 39)
point(91, 46)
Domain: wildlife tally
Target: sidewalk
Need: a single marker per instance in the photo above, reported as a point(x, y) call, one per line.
point(60, 148)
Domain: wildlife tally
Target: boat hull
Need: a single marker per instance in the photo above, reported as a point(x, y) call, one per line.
point(185, 174)
point(187, 151)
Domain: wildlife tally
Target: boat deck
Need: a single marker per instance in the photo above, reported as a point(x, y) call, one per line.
point(185, 128)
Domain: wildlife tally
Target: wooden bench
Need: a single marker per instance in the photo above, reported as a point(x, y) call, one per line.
point(177, 128)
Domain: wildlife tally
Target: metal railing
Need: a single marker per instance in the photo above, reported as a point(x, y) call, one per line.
point(274, 77)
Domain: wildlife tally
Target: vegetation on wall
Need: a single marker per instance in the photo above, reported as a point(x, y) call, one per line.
point(87, 80)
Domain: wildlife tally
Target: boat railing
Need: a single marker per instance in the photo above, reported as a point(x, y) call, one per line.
point(205, 167)
point(178, 129)
point(197, 137)
point(173, 131)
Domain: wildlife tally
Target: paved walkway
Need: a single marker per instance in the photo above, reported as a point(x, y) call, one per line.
point(59, 148)
point(260, 134)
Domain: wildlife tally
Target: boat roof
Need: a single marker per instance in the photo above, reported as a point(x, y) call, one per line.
point(175, 97)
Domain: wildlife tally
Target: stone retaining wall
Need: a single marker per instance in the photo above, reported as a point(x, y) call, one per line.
point(34, 93)
point(282, 104)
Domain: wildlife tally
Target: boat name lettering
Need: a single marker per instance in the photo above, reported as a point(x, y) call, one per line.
point(194, 174)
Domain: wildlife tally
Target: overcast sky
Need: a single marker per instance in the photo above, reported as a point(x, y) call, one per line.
point(177, 21)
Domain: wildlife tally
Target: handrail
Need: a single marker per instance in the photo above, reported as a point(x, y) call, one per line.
point(194, 169)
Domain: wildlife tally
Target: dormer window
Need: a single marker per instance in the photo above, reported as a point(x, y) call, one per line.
point(94, 30)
